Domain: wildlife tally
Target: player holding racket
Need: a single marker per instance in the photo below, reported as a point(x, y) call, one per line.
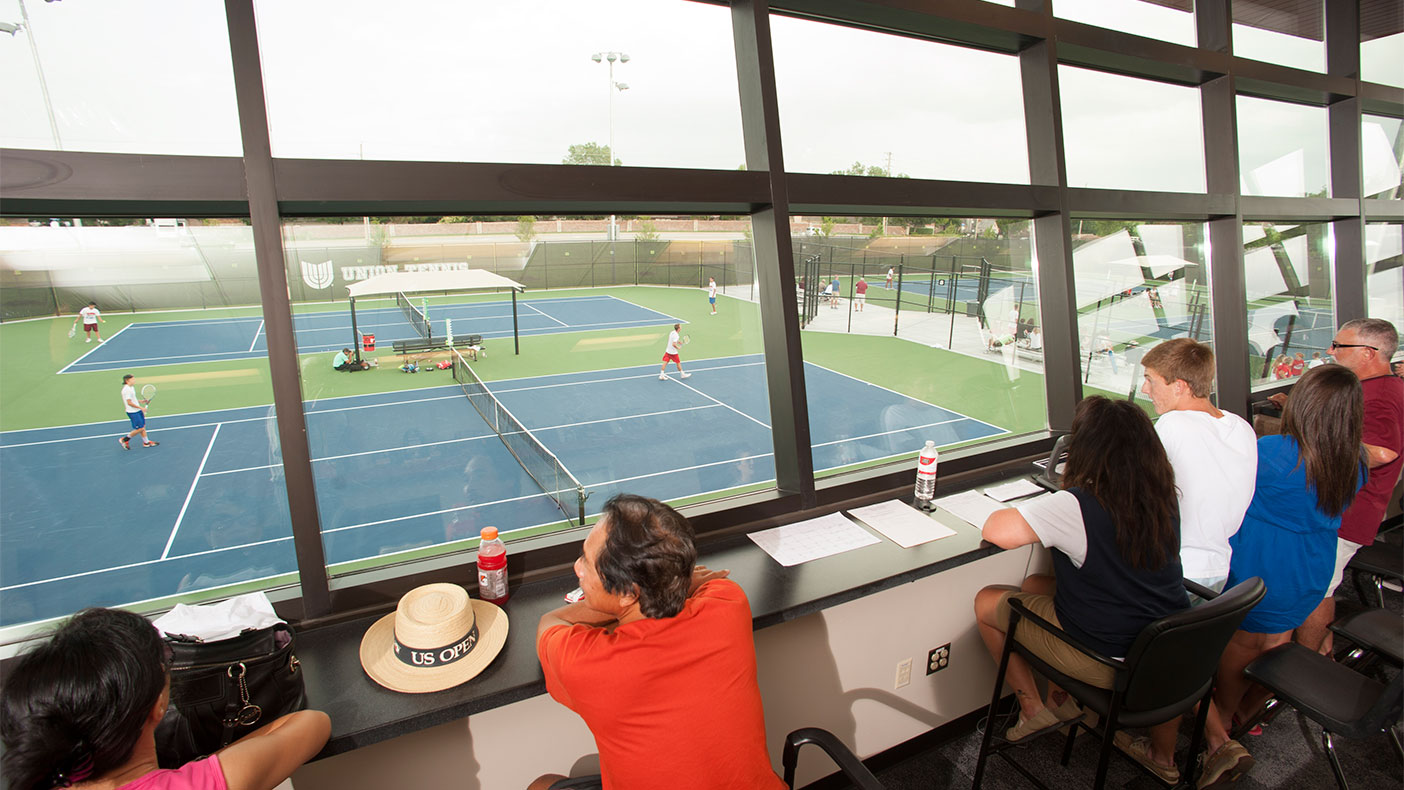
point(670, 354)
point(136, 412)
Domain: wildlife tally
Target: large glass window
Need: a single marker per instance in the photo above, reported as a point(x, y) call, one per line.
point(1381, 150)
point(1384, 275)
point(85, 520)
point(854, 102)
point(123, 76)
point(508, 360)
point(1289, 34)
point(1167, 20)
point(1291, 315)
point(916, 329)
point(1282, 149)
point(1126, 133)
point(1382, 46)
point(1137, 284)
point(466, 82)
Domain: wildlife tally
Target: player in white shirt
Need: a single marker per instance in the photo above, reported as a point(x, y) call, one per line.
point(90, 318)
point(712, 293)
point(136, 412)
point(670, 354)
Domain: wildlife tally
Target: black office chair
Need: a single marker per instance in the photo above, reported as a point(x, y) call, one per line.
point(847, 761)
point(1342, 700)
point(1168, 670)
point(1378, 562)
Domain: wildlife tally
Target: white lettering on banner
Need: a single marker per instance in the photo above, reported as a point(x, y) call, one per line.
point(357, 273)
point(461, 266)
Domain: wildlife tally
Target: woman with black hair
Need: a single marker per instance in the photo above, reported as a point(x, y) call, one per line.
point(81, 709)
point(1114, 535)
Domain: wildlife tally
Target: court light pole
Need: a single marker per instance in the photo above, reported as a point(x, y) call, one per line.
point(24, 24)
point(610, 57)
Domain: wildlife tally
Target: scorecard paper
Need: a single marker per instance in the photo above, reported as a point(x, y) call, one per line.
point(901, 523)
point(812, 539)
point(972, 506)
point(1016, 490)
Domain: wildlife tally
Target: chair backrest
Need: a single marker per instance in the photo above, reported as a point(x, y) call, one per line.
point(1174, 657)
point(1386, 710)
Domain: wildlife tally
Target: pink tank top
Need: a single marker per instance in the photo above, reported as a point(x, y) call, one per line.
point(200, 775)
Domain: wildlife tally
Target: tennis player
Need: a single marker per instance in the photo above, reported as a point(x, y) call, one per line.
point(712, 293)
point(888, 284)
point(90, 317)
point(670, 354)
point(343, 362)
point(135, 412)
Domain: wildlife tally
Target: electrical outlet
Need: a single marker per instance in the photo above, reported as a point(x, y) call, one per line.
point(938, 659)
point(904, 673)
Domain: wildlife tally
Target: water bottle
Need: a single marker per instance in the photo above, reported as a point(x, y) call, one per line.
point(492, 567)
point(926, 477)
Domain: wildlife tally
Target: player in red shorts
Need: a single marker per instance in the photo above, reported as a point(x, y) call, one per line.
point(670, 354)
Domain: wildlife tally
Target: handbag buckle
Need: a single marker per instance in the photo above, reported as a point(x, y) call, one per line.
point(250, 713)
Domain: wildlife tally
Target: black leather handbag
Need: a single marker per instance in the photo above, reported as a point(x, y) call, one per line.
point(222, 691)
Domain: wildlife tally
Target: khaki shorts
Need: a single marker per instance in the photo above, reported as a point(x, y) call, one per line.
point(1050, 648)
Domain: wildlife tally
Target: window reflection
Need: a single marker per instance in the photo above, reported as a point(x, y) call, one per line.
point(1289, 34)
point(1282, 149)
point(202, 514)
point(1384, 275)
point(1137, 284)
point(1291, 315)
point(1382, 48)
point(54, 100)
point(917, 328)
point(1381, 149)
point(1126, 133)
point(897, 107)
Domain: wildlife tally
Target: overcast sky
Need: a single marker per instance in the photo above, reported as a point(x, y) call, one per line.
point(477, 81)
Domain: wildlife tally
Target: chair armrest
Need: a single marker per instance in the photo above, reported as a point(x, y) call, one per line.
point(1200, 590)
point(1023, 611)
point(846, 760)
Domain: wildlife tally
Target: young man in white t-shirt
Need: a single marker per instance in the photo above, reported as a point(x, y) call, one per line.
point(670, 354)
point(90, 316)
point(136, 412)
point(1215, 457)
point(712, 293)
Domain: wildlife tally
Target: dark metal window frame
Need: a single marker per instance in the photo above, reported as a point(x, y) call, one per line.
point(266, 189)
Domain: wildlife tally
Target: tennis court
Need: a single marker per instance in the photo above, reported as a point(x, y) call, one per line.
point(217, 339)
point(400, 471)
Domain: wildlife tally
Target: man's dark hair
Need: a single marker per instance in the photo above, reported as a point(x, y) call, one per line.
point(648, 551)
point(92, 304)
point(73, 707)
point(128, 378)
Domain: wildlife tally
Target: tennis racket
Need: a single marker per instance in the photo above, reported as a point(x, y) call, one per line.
point(148, 394)
point(686, 339)
point(73, 331)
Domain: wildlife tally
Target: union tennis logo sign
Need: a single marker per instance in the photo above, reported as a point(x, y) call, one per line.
point(317, 275)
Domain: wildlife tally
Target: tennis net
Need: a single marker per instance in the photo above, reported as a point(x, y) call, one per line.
point(414, 315)
point(542, 464)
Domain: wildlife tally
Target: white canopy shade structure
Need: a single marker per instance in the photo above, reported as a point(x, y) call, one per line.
point(401, 284)
point(424, 282)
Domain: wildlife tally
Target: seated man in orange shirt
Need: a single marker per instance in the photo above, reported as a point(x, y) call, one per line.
point(658, 658)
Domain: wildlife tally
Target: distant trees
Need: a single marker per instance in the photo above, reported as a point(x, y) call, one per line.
point(589, 154)
point(526, 229)
point(876, 171)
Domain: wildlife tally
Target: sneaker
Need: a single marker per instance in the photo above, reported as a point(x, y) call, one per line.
point(1226, 765)
point(149, 444)
point(1068, 711)
point(126, 443)
point(89, 340)
point(662, 377)
point(1138, 749)
point(686, 375)
point(1042, 722)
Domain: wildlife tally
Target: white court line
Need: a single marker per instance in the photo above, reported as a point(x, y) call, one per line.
point(257, 332)
point(151, 360)
point(189, 494)
point(719, 403)
point(543, 314)
point(616, 378)
point(904, 395)
point(195, 321)
point(96, 347)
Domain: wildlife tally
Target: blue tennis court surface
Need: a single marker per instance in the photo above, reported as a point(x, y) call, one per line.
point(215, 339)
point(91, 524)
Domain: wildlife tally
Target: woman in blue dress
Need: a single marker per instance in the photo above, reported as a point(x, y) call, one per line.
point(1307, 477)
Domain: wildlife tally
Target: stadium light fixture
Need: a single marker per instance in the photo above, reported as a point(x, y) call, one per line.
point(613, 87)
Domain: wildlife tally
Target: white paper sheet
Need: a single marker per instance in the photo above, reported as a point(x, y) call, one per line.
point(971, 506)
point(1013, 490)
point(901, 523)
point(812, 539)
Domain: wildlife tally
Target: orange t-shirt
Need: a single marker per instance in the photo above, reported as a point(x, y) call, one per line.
point(672, 702)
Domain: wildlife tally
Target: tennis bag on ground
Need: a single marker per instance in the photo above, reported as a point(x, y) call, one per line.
point(222, 691)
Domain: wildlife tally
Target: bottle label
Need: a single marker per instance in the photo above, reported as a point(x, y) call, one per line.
point(492, 584)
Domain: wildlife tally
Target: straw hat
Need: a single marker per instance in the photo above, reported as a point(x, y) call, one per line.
point(437, 638)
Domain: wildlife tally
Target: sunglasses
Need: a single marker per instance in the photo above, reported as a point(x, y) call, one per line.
point(1335, 345)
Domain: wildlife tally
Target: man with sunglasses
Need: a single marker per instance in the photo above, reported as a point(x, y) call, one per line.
point(1365, 346)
